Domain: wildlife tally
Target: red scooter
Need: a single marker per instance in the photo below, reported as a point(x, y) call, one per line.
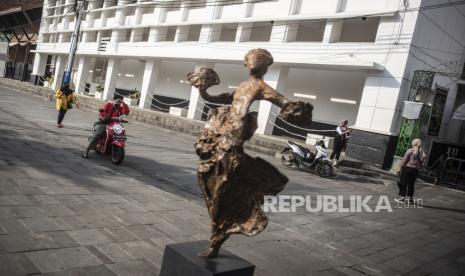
point(114, 141)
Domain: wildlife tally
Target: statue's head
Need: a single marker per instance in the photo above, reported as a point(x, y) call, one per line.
point(257, 61)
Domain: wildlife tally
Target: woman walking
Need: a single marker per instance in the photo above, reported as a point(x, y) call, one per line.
point(64, 100)
point(408, 169)
point(342, 132)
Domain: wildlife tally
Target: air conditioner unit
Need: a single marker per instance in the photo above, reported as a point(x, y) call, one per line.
point(411, 110)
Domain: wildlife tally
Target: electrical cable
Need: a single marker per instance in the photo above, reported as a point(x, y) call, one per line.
point(442, 29)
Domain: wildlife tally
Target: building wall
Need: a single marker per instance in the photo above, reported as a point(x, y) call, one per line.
point(439, 45)
point(326, 84)
point(172, 79)
point(354, 54)
point(337, 60)
point(384, 90)
point(130, 74)
point(3, 57)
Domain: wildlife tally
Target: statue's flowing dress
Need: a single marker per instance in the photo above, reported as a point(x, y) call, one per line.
point(234, 183)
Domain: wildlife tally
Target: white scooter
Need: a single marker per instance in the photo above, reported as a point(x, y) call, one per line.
point(303, 158)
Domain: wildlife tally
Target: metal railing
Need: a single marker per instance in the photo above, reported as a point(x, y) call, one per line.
point(453, 171)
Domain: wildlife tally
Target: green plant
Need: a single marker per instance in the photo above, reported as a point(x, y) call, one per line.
point(100, 88)
point(135, 95)
point(49, 81)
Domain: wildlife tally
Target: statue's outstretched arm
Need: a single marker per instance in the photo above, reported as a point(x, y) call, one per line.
point(291, 111)
point(223, 98)
point(273, 96)
point(203, 78)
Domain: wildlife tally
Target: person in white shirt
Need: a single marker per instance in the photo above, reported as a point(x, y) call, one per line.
point(342, 132)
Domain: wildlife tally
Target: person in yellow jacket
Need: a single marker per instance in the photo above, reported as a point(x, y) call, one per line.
point(65, 99)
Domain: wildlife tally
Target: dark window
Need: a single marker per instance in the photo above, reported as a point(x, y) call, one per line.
point(171, 33)
point(362, 29)
point(194, 32)
point(437, 111)
point(228, 32)
point(310, 31)
point(261, 31)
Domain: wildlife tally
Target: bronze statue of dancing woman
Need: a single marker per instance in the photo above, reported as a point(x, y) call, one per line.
point(232, 182)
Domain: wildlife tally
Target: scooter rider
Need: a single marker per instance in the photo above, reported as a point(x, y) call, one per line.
point(110, 110)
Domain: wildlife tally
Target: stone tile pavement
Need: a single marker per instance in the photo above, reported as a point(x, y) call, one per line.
point(62, 215)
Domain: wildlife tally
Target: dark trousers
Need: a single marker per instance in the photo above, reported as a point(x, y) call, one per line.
point(61, 115)
point(338, 146)
point(408, 176)
point(99, 132)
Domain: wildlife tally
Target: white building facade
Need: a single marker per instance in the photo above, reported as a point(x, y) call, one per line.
point(352, 59)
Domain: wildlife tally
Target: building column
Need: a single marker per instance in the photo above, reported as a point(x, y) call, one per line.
point(332, 31)
point(59, 70)
point(157, 34)
point(104, 17)
point(120, 16)
point(136, 35)
point(213, 9)
point(195, 104)
point(277, 79)
point(244, 31)
point(283, 32)
point(182, 33)
point(293, 6)
point(333, 28)
point(379, 103)
point(115, 38)
point(151, 72)
point(210, 33)
point(82, 73)
point(38, 69)
point(286, 31)
point(184, 11)
point(65, 23)
point(110, 80)
point(159, 15)
point(107, 4)
point(84, 36)
point(89, 22)
point(138, 15)
point(248, 8)
point(375, 135)
point(278, 32)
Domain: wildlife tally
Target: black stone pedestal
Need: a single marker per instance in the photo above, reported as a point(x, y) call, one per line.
point(181, 259)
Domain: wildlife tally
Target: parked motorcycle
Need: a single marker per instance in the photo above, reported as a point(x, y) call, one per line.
point(302, 157)
point(114, 141)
